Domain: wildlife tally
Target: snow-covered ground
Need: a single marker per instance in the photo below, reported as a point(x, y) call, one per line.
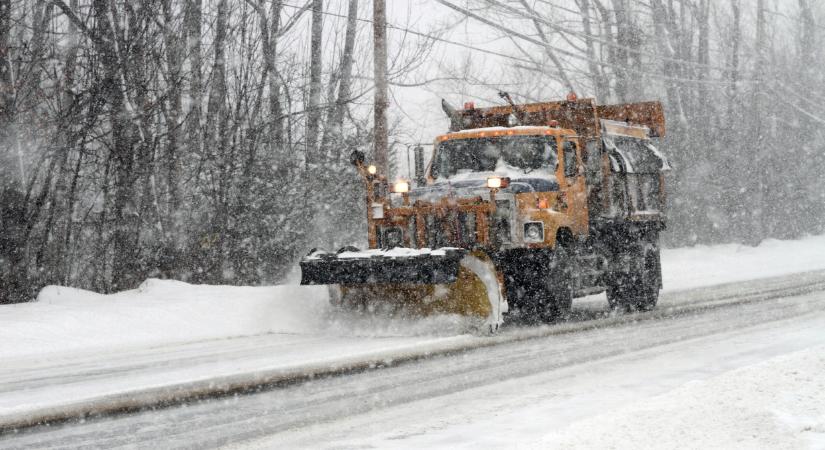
point(162, 312)
point(65, 319)
point(778, 403)
point(74, 346)
point(682, 394)
point(691, 267)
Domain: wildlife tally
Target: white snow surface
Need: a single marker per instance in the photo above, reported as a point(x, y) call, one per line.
point(691, 267)
point(65, 319)
point(780, 398)
point(752, 388)
point(163, 311)
point(778, 404)
point(394, 253)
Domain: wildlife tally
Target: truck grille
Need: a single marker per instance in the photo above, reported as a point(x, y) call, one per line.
point(455, 229)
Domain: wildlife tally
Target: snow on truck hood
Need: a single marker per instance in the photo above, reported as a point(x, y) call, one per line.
point(471, 183)
point(475, 184)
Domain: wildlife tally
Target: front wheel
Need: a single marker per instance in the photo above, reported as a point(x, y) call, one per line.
point(558, 288)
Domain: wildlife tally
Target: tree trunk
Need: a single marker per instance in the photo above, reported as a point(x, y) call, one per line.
point(174, 76)
point(270, 27)
point(192, 25)
point(547, 50)
point(215, 152)
point(314, 101)
point(8, 176)
point(620, 56)
point(333, 137)
point(124, 214)
point(601, 85)
point(736, 33)
point(380, 150)
point(703, 57)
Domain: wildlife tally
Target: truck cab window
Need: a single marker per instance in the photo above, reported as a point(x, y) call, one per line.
point(521, 153)
point(570, 164)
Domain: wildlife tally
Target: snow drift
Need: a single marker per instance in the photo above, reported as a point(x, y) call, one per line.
point(157, 312)
point(161, 312)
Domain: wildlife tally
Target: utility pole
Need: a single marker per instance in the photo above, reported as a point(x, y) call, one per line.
point(379, 29)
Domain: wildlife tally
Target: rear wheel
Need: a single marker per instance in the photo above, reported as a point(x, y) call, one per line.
point(638, 288)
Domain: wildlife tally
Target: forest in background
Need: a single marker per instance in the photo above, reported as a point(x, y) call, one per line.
point(208, 140)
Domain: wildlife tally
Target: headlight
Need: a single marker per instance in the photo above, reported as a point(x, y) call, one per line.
point(372, 170)
point(534, 232)
point(401, 187)
point(498, 182)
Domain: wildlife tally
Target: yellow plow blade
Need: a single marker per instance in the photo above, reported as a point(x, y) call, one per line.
point(475, 294)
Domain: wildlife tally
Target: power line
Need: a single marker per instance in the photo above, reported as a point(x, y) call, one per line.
point(531, 40)
point(422, 34)
point(577, 56)
point(603, 41)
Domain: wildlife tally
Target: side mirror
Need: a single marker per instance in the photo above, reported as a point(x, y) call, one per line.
point(420, 176)
point(357, 158)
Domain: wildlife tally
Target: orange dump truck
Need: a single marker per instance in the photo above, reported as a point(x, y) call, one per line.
point(520, 209)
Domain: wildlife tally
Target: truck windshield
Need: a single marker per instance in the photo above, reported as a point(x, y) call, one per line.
point(524, 153)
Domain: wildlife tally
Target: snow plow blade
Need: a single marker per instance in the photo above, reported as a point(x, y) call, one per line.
point(382, 267)
point(416, 282)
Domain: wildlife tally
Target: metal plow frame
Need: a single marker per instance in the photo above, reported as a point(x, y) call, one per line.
point(380, 269)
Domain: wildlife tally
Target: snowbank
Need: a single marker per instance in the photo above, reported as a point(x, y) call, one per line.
point(779, 403)
point(157, 312)
point(691, 267)
point(161, 312)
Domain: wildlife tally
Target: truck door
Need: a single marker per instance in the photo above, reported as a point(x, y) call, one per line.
point(572, 182)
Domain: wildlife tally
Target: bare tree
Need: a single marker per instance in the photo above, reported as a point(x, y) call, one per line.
point(314, 100)
point(380, 148)
point(335, 115)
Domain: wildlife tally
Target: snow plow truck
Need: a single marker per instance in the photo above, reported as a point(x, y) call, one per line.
point(522, 208)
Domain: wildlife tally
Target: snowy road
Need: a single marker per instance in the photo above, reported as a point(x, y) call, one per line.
point(512, 389)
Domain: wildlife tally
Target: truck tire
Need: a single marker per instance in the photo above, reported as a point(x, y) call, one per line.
point(558, 287)
point(538, 286)
point(649, 281)
point(638, 289)
point(615, 293)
